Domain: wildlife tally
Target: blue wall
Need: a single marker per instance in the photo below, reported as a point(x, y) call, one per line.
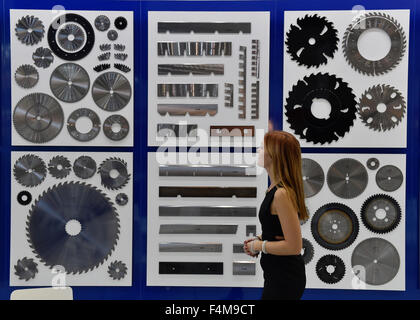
point(139, 289)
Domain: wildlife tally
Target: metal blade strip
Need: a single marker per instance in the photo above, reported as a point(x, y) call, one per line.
point(255, 100)
point(190, 267)
point(229, 95)
point(176, 130)
point(206, 171)
point(232, 131)
point(204, 27)
point(214, 49)
point(190, 247)
point(200, 90)
point(242, 82)
point(244, 268)
point(223, 192)
point(255, 58)
point(191, 68)
point(202, 211)
point(191, 109)
point(197, 229)
point(238, 248)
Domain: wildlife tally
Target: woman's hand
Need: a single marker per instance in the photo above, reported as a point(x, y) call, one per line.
point(247, 248)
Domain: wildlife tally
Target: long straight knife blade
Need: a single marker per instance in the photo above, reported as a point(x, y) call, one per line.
point(190, 247)
point(206, 171)
point(191, 68)
point(190, 267)
point(195, 109)
point(204, 27)
point(207, 211)
point(218, 192)
point(244, 268)
point(197, 229)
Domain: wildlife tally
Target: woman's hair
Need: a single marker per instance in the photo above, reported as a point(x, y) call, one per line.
point(284, 150)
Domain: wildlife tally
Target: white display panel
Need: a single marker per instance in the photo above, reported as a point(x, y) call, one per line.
point(19, 245)
point(229, 116)
point(21, 54)
point(226, 256)
point(359, 135)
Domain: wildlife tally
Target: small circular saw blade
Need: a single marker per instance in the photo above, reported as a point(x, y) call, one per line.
point(389, 178)
point(313, 177)
point(84, 167)
point(381, 213)
point(26, 76)
point(29, 170)
point(330, 269)
point(29, 30)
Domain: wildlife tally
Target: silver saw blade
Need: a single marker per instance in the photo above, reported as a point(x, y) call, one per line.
point(29, 170)
point(376, 260)
point(42, 57)
point(59, 167)
point(38, 118)
point(73, 225)
point(71, 37)
point(29, 30)
point(111, 91)
point(313, 177)
point(347, 178)
point(26, 76)
point(69, 82)
point(107, 179)
point(389, 178)
point(84, 167)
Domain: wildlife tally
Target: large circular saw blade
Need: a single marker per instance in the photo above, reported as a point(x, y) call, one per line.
point(381, 213)
point(376, 260)
point(38, 118)
point(69, 82)
point(347, 178)
point(389, 178)
point(111, 91)
point(55, 243)
point(313, 177)
point(30, 170)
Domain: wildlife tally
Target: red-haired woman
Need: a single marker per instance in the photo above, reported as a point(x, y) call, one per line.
point(280, 212)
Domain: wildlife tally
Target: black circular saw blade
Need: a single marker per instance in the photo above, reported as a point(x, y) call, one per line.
point(26, 268)
point(321, 86)
point(330, 269)
point(30, 170)
point(334, 226)
point(389, 178)
point(381, 213)
point(117, 270)
point(308, 251)
point(46, 227)
point(107, 180)
point(84, 167)
point(312, 28)
point(347, 178)
point(59, 167)
point(313, 177)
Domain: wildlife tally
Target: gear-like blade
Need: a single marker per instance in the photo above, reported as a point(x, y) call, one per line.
point(42, 57)
point(59, 167)
point(111, 91)
point(299, 108)
point(102, 23)
point(84, 167)
point(69, 82)
point(121, 199)
point(389, 178)
point(330, 269)
point(26, 269)
point(107, 179)
point(311, 41)
point(381, 107)
point(347, 178)
point(26, 76)
point(308, 250)
point(313, 177)
point(29, 30)
point(71, 37)
point(376, 260)
point(335, 226)
point(117, 270)
point(29, 170)
point(73, 225)
point(38, 118)
point(381, 213)
point(364, 23)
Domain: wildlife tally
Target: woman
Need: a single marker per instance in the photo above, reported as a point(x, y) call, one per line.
point(280, 212)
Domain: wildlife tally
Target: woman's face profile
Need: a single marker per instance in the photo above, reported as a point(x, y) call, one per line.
point(264, 159)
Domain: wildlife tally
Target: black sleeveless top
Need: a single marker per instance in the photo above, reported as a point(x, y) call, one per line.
point(277, 265)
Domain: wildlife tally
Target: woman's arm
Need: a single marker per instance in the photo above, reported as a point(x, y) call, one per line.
point(289, 220)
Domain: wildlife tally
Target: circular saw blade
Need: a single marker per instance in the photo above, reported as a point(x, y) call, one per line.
point(311, 41)
point(84, 167)
point(313, 177)
point(71, 37)
point(48, 232)
point(26, 269)
point(42, 57)
point(110, 181)
point(347, 178)
point(117, 270)
point(119, 120)
point(299, 108)
point(121, 199)
point(111, 91)
point(381, 107)
point(83, 136)
point(59, 167)
point(389, 178)
point(308, 250)
point(330, 269)
point(29, 170)
point(102, 23)
point(38, 118)
point(29, 30)
point(378, 259)
point(372, 163)
point(69, 82)
point(334, 226)
point(381, 213)
point(26, 76)
point(368, 21)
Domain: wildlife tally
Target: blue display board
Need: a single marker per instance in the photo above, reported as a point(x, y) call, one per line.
point(139, 290)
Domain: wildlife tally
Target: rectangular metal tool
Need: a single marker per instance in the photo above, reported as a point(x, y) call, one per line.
point(216, 192)
point(238, 248)
point(190, 267)
point(210, 211)
point(244, 268)
point(190, 247)
point(206, 171)
point(232, 131)
point(195, 48)
point(255, 63)
point(176, 130)
point(251, 230)
point(204, 27)
point(191, 68)
point(229, 95)
point(201, 90)
point(255, 100)
point(198, 229)
point(195, 109)
point(242, 82)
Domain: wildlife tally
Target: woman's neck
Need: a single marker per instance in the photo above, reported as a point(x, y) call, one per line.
point(271, 176)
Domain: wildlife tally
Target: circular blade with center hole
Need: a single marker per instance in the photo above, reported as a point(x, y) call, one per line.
point(59, 167)
point(84, 167)
point(347, 178)
point(106, 171)
point(381, 213)
point(48, 230)
point(330, 269)
point(26, 269)
point(313, 177)
point(83, 136)
point(29, 170)
point(29, 30)
point(71, 37)
point(116, 119)
point(38, 118)
point(26, 76)
point(111, 91)
point(378, 260)
point(69, 82)
point(389, 178)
